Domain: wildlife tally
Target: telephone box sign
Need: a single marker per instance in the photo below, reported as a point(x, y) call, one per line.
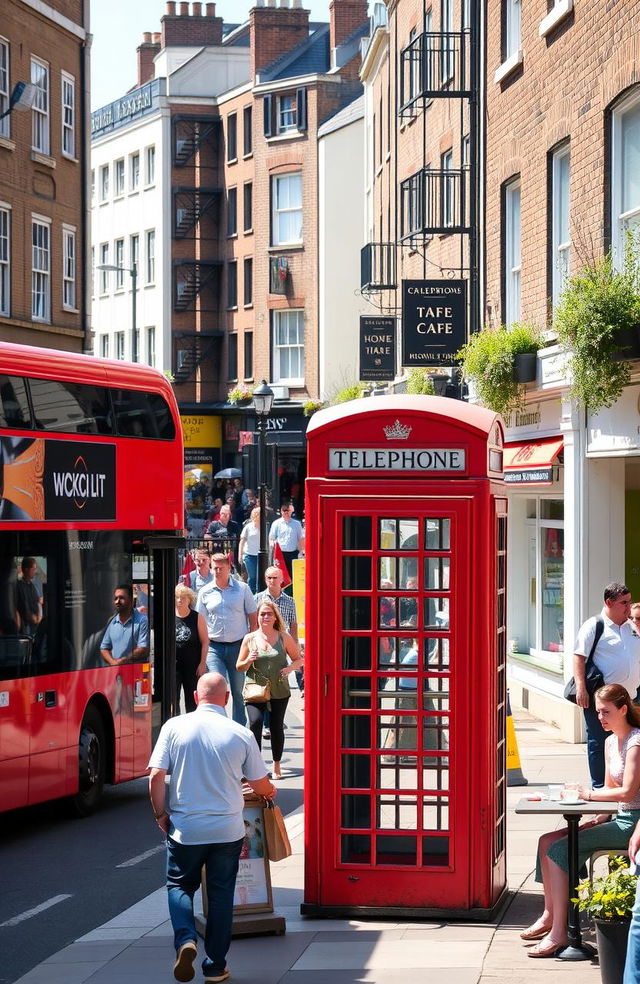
point(377, 348)
point(397, 459)
point(434, 318)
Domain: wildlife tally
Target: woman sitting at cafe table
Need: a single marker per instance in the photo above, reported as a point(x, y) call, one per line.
point(619, 715)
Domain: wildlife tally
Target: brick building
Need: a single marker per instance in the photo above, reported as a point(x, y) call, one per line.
point(44, 154)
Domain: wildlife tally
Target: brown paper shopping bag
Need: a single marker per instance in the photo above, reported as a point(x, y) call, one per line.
point(278, 845)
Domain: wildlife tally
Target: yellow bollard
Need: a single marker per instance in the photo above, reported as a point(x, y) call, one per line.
point(514, 771)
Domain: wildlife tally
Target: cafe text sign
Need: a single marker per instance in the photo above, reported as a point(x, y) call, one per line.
point(377, 348)
point(397, 459)
point(434, 318)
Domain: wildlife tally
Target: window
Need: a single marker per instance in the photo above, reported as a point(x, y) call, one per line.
point(465, 15)
point(560, 235)
point(5, 260)
point(104, 182)
point(248, 355)
point(119, 339)
point(104, 274)
point(142, 415)
point(414, 65)
point(40, 270)
point(93, 185)
point(512, 21)
point(248, 281)
point(232, 212)
point(134, 171)
point(248, 206)
point(118, 178)
point(286, 193)
point(14, 402)
point(150, 165)
point(119, 262)
point(40, 107)
point(5, 127)
point(247, 130)
point(69, 269)
point(448, 189)
point(447, 41)
point(151, 345)
point(232, 353)
point(104, 346)
point(232, 284)
point(93, 271)
point(625, 173)
point(288, 347)
point(68, 115)
point(151, 256)
point(539, 626)
point(232, 137)
point(512, 252)
point(75, 408)
point(134, 251)
point(287, 114)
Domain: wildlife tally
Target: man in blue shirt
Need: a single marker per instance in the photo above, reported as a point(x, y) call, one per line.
point(287, 532)
point(126, 637)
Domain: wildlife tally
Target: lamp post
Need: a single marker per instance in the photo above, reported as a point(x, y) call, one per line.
point(262, 402)
point(133, 272)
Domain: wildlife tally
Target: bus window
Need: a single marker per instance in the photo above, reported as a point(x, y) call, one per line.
point(14, 405)
point(74, 408)
point(142, 415)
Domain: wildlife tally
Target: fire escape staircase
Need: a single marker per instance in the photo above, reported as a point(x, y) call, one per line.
point(192, 349)
point(190, 205)
point(191, 277)
point(192, 134)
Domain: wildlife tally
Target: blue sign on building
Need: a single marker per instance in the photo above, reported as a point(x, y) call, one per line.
point(140, 102)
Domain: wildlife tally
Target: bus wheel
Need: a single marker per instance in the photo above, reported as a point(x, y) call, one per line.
point(92, 764)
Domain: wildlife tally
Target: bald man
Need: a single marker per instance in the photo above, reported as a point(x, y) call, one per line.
point(206, 755)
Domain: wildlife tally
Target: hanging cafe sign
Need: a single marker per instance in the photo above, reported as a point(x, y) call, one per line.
point(377, 348)
point(434, 322)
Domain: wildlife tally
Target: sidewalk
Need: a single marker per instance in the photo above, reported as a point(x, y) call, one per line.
point(136, 946)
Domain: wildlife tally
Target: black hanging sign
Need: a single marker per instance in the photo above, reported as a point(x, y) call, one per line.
point(434, 319)
point(377, 348)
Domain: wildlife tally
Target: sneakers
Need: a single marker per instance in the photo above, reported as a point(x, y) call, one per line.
point(183, 967)
point(266, 733)
point(224, 976)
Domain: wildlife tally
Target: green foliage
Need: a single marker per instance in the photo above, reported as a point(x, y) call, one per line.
point(353, 391)
point(169, 375)
point(488, 360)
point(419, 382)
point(610, 897)
point(598, 312)
point(311, 406)
point(240, 394)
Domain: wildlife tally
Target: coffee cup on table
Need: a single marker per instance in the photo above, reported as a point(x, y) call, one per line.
point(555, 792)
point(571, 792)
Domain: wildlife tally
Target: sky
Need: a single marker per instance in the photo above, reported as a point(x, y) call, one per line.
point(118, 25)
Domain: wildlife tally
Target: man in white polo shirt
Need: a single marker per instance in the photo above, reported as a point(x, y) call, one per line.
point(617, 656)
point(206, 755)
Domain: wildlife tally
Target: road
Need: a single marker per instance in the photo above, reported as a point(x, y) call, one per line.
point(62, 878)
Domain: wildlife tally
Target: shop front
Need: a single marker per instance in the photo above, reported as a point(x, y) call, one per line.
point(202, 435)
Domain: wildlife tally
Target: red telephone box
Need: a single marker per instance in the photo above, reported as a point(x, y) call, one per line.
point(405, 659)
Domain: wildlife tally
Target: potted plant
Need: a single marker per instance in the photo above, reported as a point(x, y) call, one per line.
point(492, 361)
point(240, 395)
point(609, 901)
point(597, 320)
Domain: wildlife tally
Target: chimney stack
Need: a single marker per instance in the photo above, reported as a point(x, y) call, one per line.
point(192, 28)
point(345, 17)
point(146, 52)
point(275, 30)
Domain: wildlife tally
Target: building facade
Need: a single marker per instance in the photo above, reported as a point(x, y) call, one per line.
point(44, 156)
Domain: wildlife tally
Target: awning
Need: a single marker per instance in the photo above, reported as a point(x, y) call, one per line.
point(531, 462)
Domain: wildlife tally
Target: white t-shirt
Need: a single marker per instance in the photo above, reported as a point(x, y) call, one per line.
point(251, 536)
point(206, 755)
point(617, 654)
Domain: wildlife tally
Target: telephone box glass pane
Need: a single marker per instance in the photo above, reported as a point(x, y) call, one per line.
point(387, 612)
point(408, 534)
point(356, 731)
point(356, 653)
point(387, 648)
point(356, 811)
point(398, 772)
point(356, 533)
point(397, 731)
point(436, 573)
point(356, 573)
point(356, 771)
point(436, 654)
point(396, 850)
point(356, 849)
point(391, 697)
point(435, 733)
point(436, 613)
point(356, 693)
point(396, 812)
point(387, 534)
point(435, 694)
point(435, 774)
point(387, 577)
point(356, 613)
point(435, 813)
point(435, 852)
point(437, 534)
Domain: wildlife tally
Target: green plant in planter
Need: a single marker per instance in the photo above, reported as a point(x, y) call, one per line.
point(353, 391)
point(419, 382)
point(311, 406)
point(240, 394)
point(489, 361)
point(611, 897)
point(597, 316)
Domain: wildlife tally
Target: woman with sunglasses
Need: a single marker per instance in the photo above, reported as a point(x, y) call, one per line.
point(634, 616)
point(270, 653)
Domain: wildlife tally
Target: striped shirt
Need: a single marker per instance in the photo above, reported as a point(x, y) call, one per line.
point(286, 606)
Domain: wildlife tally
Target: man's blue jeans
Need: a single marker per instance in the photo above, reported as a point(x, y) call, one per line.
point(632, 966)
point(222, 658)
point(184, 867)
point(596, 737)
point(250, 561)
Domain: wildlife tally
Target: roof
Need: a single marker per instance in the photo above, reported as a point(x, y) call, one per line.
point(348, 114)
point(311, 57)
point(466, 415)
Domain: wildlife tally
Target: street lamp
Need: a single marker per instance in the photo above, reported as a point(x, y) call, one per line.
point(133, 271)
point(262, 402)
point(21, 98)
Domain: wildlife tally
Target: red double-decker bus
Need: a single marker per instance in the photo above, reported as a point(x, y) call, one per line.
point(90, 499)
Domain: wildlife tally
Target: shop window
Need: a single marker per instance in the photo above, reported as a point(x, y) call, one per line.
point(540, 633)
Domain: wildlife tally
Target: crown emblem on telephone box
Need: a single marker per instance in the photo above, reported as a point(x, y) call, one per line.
point(397, 431)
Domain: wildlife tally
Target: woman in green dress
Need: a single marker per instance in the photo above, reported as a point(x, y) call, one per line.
point(269, 653)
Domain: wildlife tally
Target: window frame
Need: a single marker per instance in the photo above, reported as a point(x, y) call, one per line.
point(621, 220)
point(104, 274)
point(69, 268)
point(512, 29)
point(119, 178)
point(232, 285)
point(5, 259)
point(232, 357)
point(560, 250)
point(149, 165)
point(41, 274)
point(291, 111)
point(150, 256)
point(104, 175)
point(151, 345)
point(512, 269)
point(247, 130)
point(248, 355)
point(41, 114)
point(134, 172)
point(104, 346)
point(232, 212)
point(247, 192)
point(232, 138)
point(5, 87)
point(120, 346)
point(247, 281)
point(118, 261)
point(277, 212)
point(68, 115)
point(448, 188)
point(277, 317)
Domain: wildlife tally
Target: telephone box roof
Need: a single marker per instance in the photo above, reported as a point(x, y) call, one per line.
point(465, 415)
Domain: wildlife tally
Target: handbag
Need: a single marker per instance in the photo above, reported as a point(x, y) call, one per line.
point(275, 831)
point(593, 677)
point(255, 692)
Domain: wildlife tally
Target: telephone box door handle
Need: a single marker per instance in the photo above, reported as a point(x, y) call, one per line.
point(326, 684)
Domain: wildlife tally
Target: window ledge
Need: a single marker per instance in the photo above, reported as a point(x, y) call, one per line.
point(291, 383)
point(560, 10)
point(43, 159)
point(70, 310)
point(513, 62)
point(118, 197)
point(289, 135)
point(248, 232)
point(70, 157)
point(7, 143)
point(232, 160)
point(287, 248)
point(134, 191)
point(246, 157)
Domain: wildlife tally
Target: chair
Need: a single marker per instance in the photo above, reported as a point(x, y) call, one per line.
point(604, 853)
